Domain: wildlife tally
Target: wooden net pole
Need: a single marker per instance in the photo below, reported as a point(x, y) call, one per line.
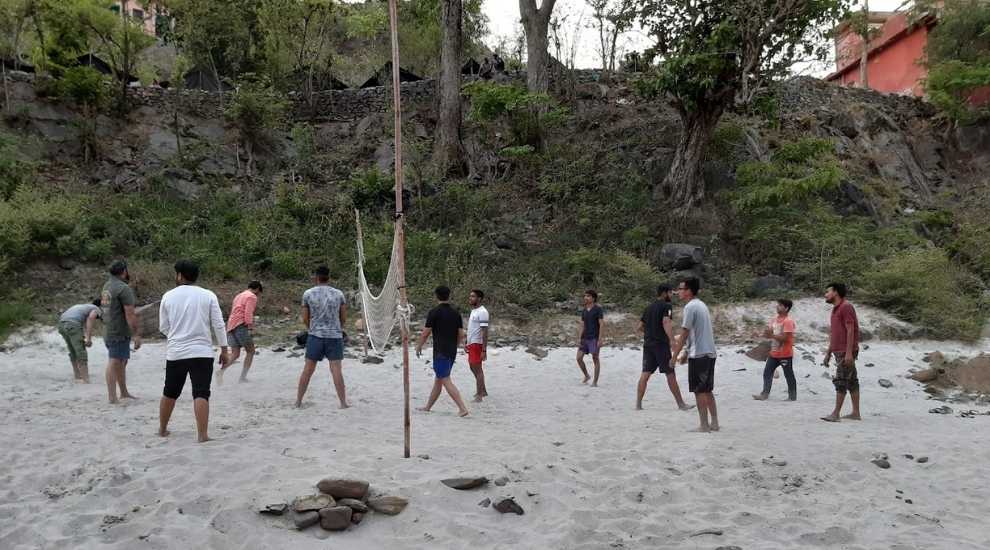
point(393, 16)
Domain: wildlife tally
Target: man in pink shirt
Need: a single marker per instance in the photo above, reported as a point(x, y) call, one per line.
point(240, 326)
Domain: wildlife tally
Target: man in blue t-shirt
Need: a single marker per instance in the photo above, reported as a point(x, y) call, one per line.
point(324, 314)
point(590, 334)
point(444, 323)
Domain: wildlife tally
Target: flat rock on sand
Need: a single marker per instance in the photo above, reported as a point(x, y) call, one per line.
point(465, 483)
point(305, 519)
point(312, 503)
point(508, 505)
point(343, 488)
point(390, 506)
point(335, 518)
point(353, 504)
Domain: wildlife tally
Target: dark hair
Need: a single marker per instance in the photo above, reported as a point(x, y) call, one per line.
point(592, 293)
point(663, 289)
point(256, 285)
point(479, 293)
point(188, 269)
point(443, 293)
point(322, 273)
point(786, 303)
point(118, 267)
point(693, 284)
point(97, 302)
point(839, 289)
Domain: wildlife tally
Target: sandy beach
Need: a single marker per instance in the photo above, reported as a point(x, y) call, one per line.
point(589, 471)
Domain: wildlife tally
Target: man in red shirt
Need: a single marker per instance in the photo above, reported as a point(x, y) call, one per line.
point(240, 329)
point(781, 331)
point(844, 345)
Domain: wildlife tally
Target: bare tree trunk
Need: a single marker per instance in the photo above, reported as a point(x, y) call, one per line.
point(535, 21)
point(448, 153)
point(684, 184)
point(864, 56)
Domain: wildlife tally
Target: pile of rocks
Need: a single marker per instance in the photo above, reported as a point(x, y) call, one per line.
point(339, 504)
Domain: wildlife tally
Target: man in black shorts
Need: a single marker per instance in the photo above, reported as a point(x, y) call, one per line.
point(447, 328)
point(657, 327)
point(187, 316)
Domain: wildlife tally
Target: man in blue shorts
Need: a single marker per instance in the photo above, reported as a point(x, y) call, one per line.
point(121, 322)
point(324, 314)
point(590, 335)
point(444, 323)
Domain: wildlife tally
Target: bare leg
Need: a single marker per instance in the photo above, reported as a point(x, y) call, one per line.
point(840, 398)
point(434, 395)
point(598, 367)
point(479, 382)
point(675, 390)
point(644, 379)
point(702, 400)
point(75, 370)
point(84, 372)
point(111, 377)
point(122, 381)
point(307, 373)
point(235, 353)
point(165, 408)
point(712, 411)
point(455, 395)
point(584, 369)
point(337, 374)
point(201, 408)
point(248, 361)
point(854, 415)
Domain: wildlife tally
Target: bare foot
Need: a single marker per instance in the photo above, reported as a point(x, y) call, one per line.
point(114, 401)
point(761, 397)
point(639, 407)
point(477, 399)
point(462, 414)
point(594, 384)
point(586, 378)
point(127, 396)
point(852, 417)
point(686, 407)
point(204, 439)
point(242, 380)
point(830, 418)
point(700, 430)
point(423, 409)
point(164, 433)
point(344, 406)
point(298, 404)
point(714, 427)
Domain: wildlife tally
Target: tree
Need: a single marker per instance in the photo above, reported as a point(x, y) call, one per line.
point(712, 50)
point(535, 21)
point(121, 38)
point(298, 42)
point(448, 151)
point(611, 18)
point(958, 57)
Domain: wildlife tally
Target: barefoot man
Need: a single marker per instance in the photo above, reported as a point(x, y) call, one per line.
point(121, 323)
point(445, 325)
point(477, 342)
point(590, 335)
point(190, 317)
point(240, 329)
point(76, 327)
point(324, 314)
point(657, 328)
point(696, 330)
point(843, 343)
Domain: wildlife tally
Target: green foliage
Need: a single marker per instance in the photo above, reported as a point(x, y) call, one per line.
point(921, 285)
point(255, 108)
point(958, 56)
point(527, 114)
point(15, 311)
point(34, 224)
point(969, 246)
point(799, 171)
point(950, 85)
point(370, 189)
point(84, 86)
point(15, 169)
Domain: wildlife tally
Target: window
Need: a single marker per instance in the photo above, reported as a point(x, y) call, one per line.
point(115, 8)
point(138, 14)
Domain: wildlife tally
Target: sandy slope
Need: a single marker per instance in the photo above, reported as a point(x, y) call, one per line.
point(589, 471)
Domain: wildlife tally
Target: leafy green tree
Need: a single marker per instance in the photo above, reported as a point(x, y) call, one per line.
point(255, 109)
point(958, 55)
point(713, 51)
point(121, 39)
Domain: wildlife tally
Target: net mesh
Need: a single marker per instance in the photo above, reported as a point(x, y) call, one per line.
point(381, 312)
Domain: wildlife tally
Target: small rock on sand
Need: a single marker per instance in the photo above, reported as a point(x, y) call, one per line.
point(465, 483)
point(485, 503)
point(881, 462)
point(274, 509)
point(502, 481)
point(356, 517)
point(539, 353)
point(305, 519)
point(508, 505)
point(944, 409)
point(926, 375)
point(343, 488)
point(373, 360)
point(390, 506)
point(353, 504)
point(335, 518)
point(729, 548)
point(921, 459)
point(312, 503)
point(885, 383)
point(716, 532)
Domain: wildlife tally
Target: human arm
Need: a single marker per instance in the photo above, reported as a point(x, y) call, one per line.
point(219, 329)
point(305, 316)
point(668, 328)
point(93, 315)
point(679, 343)
point(164, 324)
point(484, 343)
point(127, 299)
point(850, 357)
point(250, 305)
point(343, 315)
point(422, 340)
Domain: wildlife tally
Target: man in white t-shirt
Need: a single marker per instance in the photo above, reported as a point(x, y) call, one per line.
point(187, 316)
point(477, 341)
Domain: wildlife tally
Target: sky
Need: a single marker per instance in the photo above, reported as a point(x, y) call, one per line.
point(503, 18)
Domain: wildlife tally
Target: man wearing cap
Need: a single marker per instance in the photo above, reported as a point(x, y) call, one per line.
point(121, 323)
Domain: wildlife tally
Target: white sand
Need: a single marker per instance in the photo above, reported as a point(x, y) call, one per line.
point(79, 473)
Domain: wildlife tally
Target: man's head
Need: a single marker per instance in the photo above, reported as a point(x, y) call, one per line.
point(186, 272)
point(835, 293)
point(688, 288)
point(663, 292)
point(784, 306)
point(256, 287)
point(322, 274)
point(119, 270)
point(590, 297)
point(442, 293)
point(476, 297)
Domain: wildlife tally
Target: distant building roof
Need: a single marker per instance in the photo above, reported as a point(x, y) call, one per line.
point(199, 78)
point(101, 66)
point(384, 75)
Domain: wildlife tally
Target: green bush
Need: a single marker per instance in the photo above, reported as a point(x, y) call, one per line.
point(15, 311)
point(84, 86)
point(924, 287)
point(34, 224)
point(527, 114)
point(15, 169)
point(799, 171)
point(970, 246)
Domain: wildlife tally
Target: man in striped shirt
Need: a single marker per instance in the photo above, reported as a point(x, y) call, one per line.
point(240, 328)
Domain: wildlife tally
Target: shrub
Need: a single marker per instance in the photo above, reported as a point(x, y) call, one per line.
point(15, 311)
point(527, 114)
point(799, 171)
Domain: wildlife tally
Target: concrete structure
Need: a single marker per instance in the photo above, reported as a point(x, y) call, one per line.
point(153, 18)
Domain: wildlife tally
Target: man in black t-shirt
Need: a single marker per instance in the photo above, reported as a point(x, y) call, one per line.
point(656, 326)
point(447, 328)
point(590, 335)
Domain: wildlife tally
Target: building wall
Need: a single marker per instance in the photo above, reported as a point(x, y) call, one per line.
point(148, 15)
point(898, 67)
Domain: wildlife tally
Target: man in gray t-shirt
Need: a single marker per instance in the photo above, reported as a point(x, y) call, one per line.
point(324, 314)
point(76, 327)
point(696, 332)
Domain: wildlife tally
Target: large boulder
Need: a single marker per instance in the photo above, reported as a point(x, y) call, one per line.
point(335, 518)
point(343, 488)
point(680, 256)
